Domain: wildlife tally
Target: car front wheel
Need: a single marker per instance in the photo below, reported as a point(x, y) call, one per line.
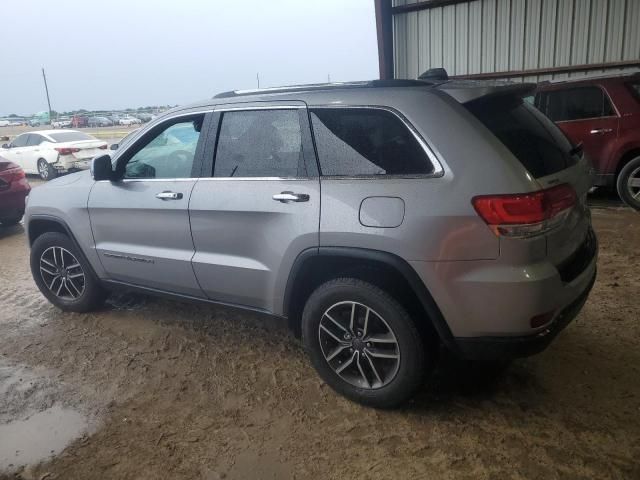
point(63, 276)
point(363, 343)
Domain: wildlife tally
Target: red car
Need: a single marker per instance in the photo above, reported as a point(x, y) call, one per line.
point(604, 115)
point(14, 188)
point(79, 121)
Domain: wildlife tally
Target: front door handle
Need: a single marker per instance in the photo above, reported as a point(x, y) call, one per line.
point(286, 197)
point(601, 131)
point(166, 195)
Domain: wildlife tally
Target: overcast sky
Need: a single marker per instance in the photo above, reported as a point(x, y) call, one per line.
point(122, 53)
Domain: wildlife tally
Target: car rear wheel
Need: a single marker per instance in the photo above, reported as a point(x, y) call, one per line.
point(363, 343)
point(629, 183)
point(46, 171)
point(63, 276)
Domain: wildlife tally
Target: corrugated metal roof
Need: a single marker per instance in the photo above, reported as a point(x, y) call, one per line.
point(484, 36)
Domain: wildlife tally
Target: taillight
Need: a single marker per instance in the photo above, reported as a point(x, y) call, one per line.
point(526, 214)
point(12, 174)
point(103, 147)
point(67, 150)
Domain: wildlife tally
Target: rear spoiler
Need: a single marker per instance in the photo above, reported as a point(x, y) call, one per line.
point(465, 91)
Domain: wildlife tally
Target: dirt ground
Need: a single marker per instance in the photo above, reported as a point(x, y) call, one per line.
point(149, 388)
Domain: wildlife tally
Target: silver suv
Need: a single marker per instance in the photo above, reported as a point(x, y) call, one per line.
point(383, 219)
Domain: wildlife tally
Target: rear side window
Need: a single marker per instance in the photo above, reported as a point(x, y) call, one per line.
point(34, 140)
point(530, 136)
point(366, 141)
point(575, 104)
point(260, 143)
point(635, 89)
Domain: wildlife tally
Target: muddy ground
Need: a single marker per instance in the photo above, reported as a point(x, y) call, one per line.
point(149, 388)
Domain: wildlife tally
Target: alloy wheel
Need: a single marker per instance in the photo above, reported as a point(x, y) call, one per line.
point(43, 169)
point(633, 184)
point(359, 345)
point(62, 273)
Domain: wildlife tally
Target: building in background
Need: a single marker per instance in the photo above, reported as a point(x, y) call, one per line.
point(520, 40)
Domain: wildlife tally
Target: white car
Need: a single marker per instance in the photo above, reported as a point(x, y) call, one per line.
point(49, 153)
point(61, 123)
point(4, 123)
point(129, 121)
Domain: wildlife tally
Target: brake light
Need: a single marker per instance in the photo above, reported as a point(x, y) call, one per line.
point(526, 214)
point(12, 174)
point(67, 150)
point(103, 147)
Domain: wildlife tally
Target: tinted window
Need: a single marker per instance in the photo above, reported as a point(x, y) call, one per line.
point(260, 143)
point(635, 89)
point(34, 140)
point(532, 138)
point(366, 141)
point(575, 104)
point(70, 137)
point(169, 154)
point(20, 140)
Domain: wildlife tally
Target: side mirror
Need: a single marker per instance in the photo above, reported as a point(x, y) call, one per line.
point(114, 146)
point(5, 145)
point(101, 168)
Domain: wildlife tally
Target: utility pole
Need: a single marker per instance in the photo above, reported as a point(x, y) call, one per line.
point(258, 79)
point(46, 89)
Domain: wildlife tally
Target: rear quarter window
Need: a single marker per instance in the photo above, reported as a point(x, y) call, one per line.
point(531, 137)
point(366, 141)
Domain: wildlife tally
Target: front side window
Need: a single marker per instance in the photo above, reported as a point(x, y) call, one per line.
point(20, 140)
point(169, 154)
point(575, 104)
point(260, 143)
point(366, 141)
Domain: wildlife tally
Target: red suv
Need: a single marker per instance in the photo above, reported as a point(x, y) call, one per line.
point(14, 188)
point(604, 115)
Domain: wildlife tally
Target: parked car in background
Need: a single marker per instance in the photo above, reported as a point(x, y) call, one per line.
point(14, 188)
point(453, 214)
point(124, 140)
point(79, 121)
point(129, 120)
point(99, 122)
point(62, 122)
point(35, 122)
point(49, 153)
point(602, 115)
point(145, 117)
point(4, 123)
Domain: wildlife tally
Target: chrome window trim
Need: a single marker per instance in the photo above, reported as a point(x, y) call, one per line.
point(438, 170)
point(260, 107)
point(201, 179)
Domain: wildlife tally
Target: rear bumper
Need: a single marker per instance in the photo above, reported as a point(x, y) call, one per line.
point(504, 348)
point(12, 202)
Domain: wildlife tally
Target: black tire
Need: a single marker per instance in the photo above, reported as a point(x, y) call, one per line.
point(9, 221)
point(412, 365)
point(91, 296)
point(630, 196)
point(46, 171)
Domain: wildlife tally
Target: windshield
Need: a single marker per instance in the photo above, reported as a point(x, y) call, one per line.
point(530, 136)
point(70, 137)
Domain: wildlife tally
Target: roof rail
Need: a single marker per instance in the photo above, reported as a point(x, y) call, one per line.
point(312, 87)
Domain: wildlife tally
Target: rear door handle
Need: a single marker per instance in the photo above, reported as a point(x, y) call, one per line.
point(286, 197)
point(601, 131)
point(166, 195)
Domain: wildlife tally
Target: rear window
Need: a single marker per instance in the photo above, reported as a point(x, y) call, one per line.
point(366, 141)
point(70, 137)
point(530, 136)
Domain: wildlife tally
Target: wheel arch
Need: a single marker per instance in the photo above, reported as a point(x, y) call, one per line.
point(385, 270)
point(626, 158)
